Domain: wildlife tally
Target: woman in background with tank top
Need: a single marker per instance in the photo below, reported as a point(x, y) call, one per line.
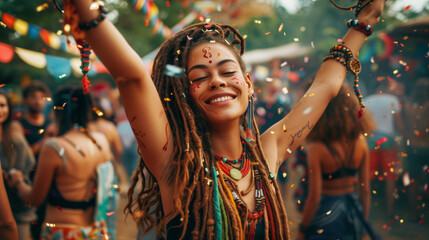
point(338, 163)
point(67, 172)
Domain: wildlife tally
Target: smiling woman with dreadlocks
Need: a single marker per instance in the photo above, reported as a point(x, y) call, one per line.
point(210, 172)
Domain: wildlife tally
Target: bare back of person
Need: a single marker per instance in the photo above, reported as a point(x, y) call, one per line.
point(76, 180)
point(350, 156)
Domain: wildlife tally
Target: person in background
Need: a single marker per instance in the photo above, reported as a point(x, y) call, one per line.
point(36, 128)
point(384, 107)
point(8, 228)
point(15, 154)
point(69, 173)
point(416, 135)
point(338, 167)
point(108, 128)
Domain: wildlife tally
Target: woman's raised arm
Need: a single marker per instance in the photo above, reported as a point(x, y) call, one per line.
point(283, 137)
point(138, 93)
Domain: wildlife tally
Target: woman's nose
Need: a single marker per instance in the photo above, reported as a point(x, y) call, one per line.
point(217, 82)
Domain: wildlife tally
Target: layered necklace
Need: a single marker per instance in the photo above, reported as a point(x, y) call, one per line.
point(232, 171)
point(237, 173)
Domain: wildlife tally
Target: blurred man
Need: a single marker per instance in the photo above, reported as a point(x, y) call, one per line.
point(36, 128)
point(384, 160)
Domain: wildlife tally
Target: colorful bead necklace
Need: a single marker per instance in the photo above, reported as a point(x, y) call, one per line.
point(235, 173)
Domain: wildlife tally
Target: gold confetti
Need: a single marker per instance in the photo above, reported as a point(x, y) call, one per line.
point(328, 212)
point(3, 24)
point(167, 99)
point(59, 32)
point(258, 21)
point(41, 7)
point(178, 51)
point(137, 214)
point(272, 132)
point(58, 108)
point(41, 131)
point(319, 231)
point(296, 39)
point(374, 192)
point(401, 221)
point(48, 99)
point(281, 27)
point(293, 185)
point(244, 36)
point(284, 128)
point(284, 174)
point(395, 71)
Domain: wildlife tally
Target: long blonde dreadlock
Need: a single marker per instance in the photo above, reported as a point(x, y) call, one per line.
point(192, 156)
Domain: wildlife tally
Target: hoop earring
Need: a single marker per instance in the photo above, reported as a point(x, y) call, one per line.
point(249, 116)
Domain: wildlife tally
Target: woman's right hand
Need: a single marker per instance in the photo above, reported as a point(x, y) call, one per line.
point(372, 12)
point(14, 177)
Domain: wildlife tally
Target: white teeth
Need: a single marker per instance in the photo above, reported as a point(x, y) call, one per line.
point(221, 99)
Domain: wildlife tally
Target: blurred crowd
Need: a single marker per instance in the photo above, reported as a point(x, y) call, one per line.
point(396, 140)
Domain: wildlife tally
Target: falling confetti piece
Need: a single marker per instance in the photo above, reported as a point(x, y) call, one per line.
point(167, 3)
point(312, 44)
point(110, 213)
point(41, 7)
point(284, 128)
point(328, 212)
point(407, 7)
point(167, 99)
point(41, 131)
point(2, 85)
point(189, 38)
point(284, 174)
point(339, 40)
point(281, 27)
point(285, 90)
point(307, 111)
point(258, 21)
point(289, 151)
point(319, 231)
point(292, 185)
point(272, 132)
point(283, 64)
point(173, 71)
point(267, 33)
point(381, 141)
point(296, 39)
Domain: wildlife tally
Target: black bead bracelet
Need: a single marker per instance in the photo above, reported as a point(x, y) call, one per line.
point(85, 26)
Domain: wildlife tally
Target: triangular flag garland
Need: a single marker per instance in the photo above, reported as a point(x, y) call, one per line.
point(51, 39)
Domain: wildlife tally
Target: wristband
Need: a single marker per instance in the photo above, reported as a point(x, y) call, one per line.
point(85, 26)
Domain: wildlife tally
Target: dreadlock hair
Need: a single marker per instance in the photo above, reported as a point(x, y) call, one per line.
point(192, 159)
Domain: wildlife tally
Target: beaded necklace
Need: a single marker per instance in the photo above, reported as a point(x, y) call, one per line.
point(235, 173)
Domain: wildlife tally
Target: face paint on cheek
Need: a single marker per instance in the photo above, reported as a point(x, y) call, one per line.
point(194, 87)
point(239, 81)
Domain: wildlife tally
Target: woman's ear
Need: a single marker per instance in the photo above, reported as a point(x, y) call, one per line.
point(250, 84)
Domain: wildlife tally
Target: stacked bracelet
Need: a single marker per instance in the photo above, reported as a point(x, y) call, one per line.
point(344, 55)
point(85, 26)
point(359, 26)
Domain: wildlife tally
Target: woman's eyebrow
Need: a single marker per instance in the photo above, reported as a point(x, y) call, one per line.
point(201, 66)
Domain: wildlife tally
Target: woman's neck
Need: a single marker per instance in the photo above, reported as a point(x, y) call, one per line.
point(227, 142)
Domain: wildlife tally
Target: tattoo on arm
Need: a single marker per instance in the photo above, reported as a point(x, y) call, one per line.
point(300, 132)
point(168, 137)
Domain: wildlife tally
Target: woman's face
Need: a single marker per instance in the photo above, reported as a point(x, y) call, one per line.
point(4, 109)
point(218, 86)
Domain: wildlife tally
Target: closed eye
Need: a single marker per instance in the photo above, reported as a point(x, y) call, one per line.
point(229, 73)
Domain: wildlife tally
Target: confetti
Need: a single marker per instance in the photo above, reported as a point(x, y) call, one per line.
point(41, 7)
point(167, 3)
point(296, 39)
point(167, 99)
point(267, 33)
point(59, 208)
point(312, 44)
point(285, 90)
point(284, 174)
point(381, 141)
point(281, 27)
point(289, 151)
point(2, 85)
point(407, 7)
point(173, 71)
point(284, 128)
point(328, 212)
point(189, 38)
point(283, 64)
point(258, 21)
point(110, 213)
point(41, 131)
point(268, 79)
point(272, 132)
point(339, 40)
point(62, 76)
point(292, 185)
point(307, 111)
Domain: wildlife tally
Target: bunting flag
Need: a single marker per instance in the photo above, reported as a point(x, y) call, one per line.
point(149, 8)
point(51, 39)
point(59, 67)
point(6, 53)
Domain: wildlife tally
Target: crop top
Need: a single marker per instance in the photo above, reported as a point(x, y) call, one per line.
point(343, 171)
